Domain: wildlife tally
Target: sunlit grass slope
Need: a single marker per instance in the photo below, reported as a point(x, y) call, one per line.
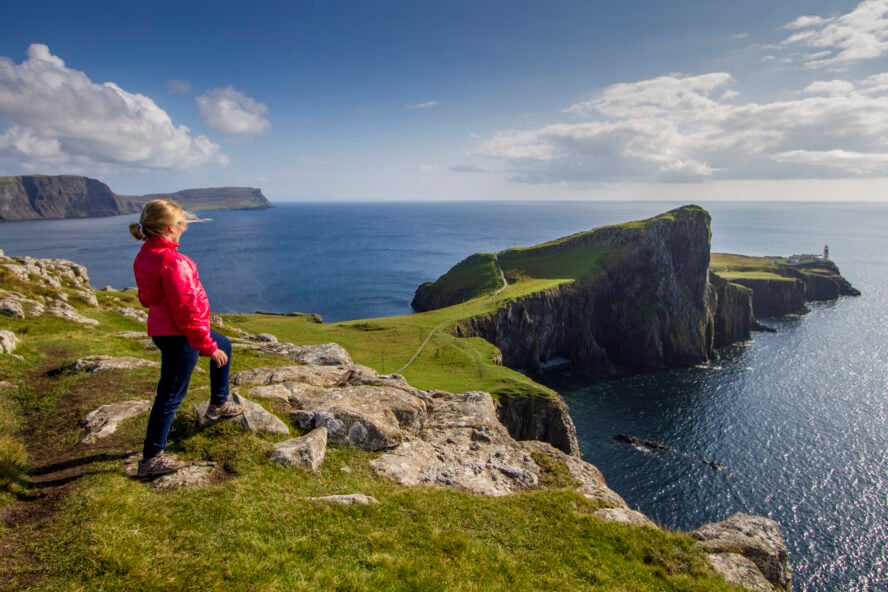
point(257, 530)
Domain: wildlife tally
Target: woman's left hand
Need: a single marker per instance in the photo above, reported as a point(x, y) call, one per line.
point(220, 357)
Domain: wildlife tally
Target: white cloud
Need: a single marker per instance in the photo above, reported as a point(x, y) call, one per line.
point(425, 105)
point(177, 86)
point(232, 112)
point(839, 41)
point(58, 116)
point(673, 128)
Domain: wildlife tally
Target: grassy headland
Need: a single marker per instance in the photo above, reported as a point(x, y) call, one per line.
point(73, 521)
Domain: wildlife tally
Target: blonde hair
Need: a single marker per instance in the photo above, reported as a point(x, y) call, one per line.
point(157, 216)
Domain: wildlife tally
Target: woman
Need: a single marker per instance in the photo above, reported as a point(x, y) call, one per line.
point(179, 324)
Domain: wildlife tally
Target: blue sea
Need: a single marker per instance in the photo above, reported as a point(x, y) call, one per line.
point(798, 418)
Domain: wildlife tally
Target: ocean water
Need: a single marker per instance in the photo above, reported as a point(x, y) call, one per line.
point(798, 419)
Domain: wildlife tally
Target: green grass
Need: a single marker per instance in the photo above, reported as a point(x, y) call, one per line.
point(258, 530)
point(734, 267)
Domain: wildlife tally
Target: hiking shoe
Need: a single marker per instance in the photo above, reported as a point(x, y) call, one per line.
point(159, 465)
point(226, 410)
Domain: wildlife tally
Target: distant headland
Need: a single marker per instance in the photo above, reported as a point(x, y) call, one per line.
point(35, 197)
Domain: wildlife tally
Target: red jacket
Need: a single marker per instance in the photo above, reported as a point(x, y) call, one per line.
point(171, 291)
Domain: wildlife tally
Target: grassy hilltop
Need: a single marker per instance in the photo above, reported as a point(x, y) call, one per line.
point(73, 521)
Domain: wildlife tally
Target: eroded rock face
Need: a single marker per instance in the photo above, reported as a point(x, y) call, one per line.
point(756, 538)
point(103, 422)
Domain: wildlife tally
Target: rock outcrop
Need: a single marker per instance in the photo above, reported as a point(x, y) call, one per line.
point(756, 538)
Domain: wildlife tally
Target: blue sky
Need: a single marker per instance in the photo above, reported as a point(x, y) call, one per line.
point(362, 100)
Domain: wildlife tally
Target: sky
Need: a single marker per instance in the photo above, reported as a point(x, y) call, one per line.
point(357, 100)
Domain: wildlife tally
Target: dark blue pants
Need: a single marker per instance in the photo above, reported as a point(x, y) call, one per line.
point(177, 362)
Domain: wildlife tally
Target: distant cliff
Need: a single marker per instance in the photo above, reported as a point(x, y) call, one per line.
point(213, 198)
point(30, 197)
point(780, 287)
point(633, 297)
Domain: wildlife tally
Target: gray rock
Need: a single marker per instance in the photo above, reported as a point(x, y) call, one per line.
point(103, 421)
point(307, 451)
point(462, 445)
point(133, 313)
point(194, 474)
point(739, 571)
point(17, 270)
point(325, 376)
point(69, 313)
point(5, 384)
point(18, 306)
point(98, 363)
point(328, 354)
point(347, 500)
point(366, 417)
point(8, 342)
point(756, 538)
point(255, 417)
point(198, 474)
point(624, 516)
point(12, 308)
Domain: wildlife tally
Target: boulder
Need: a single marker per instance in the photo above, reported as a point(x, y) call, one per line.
point(98, 363)
point(739, 571)
point(307, 451)
point(8, 342)
point(255, 418)
point(103, 421)
point(347, 500)
point(756, 538)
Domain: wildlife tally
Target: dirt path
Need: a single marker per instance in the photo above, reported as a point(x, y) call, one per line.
point(431, 334)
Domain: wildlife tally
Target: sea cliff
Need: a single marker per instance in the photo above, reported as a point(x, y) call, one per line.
point(33, 197)
point(635, 297)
